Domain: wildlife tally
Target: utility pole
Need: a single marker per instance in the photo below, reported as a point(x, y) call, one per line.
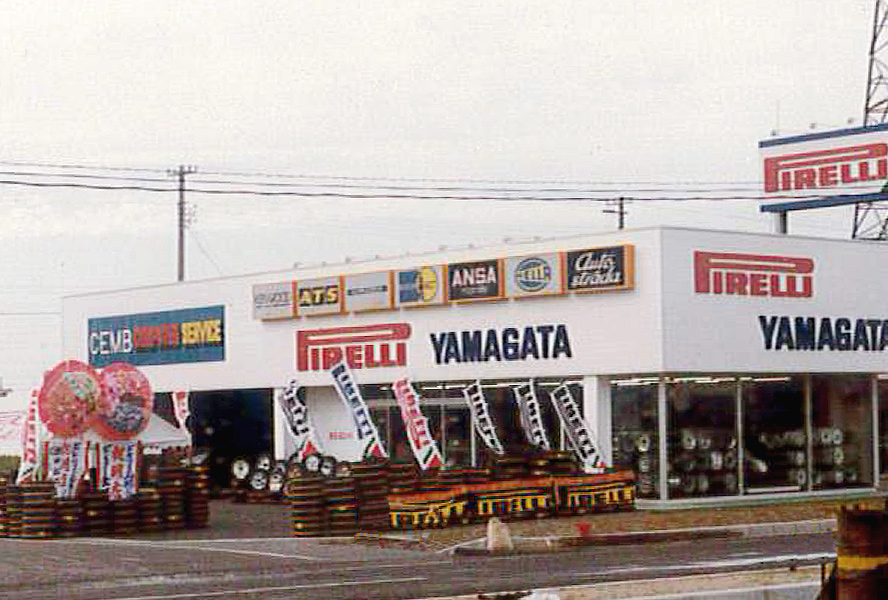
point(620, 211)
point(181, 172)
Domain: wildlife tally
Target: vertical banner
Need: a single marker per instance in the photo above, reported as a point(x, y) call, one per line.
point(181, 409)
point(292, 402)
point(531, 417)
point(65, 464)
point(474, 396)
point(28, 466)
point(421, 441)
point(575, 426)
point(118, 468)
point(351, 396)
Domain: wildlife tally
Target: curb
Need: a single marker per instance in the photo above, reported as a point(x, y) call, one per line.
point(566, 543)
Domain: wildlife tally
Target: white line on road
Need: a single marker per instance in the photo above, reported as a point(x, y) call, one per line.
point(265, 590)
point(180, 546)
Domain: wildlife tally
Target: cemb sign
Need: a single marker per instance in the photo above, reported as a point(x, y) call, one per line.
point(158, 338)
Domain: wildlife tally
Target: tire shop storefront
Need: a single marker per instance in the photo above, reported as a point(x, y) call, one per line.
point(716, 365)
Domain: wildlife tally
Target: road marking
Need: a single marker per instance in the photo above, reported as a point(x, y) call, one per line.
point(746, 590)
point(179, 546)
point(265, 590)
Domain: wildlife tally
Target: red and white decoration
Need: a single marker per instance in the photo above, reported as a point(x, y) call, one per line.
point(421, 441)
point(118, 468)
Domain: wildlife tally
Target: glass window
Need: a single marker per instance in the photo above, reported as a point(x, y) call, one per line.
point(702, 445)
point(774, 436)
point(842, 434)
point(636, 431)
point(883, 424)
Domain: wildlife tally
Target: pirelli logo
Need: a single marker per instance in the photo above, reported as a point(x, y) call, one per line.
point(362, 347)
point(823, 169)
point(735, 274)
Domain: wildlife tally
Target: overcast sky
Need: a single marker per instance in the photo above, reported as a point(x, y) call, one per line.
point(626, 98)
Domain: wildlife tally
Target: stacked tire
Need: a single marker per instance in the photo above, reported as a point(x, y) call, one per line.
point(69, 512)
point(197, 497)
point(125, 516)
point(304, 495)
point(150, 510)
point(96, 513)
point(172, 496)
point(342, 505)
point(371, 480)
point(403, 477)
point(37, 511)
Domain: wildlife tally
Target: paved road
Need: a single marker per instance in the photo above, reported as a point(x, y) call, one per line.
point(288, 568)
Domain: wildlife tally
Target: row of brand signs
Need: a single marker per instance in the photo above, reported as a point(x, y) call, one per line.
point(587, 270)
point(293, 404)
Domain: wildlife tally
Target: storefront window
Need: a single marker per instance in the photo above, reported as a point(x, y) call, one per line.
point(842, 434)
point(636, 431)
point(774, 434)
point(883, 425)
point(702, 446)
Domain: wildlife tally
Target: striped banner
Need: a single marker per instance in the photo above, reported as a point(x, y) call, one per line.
point(474, 396)
point(531, 417)
point(421, 441)
point(350, 394)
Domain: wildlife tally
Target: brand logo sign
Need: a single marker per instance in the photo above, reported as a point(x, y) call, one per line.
point(533, 275)
point(368, 291)
point(321, 296)
point(159, 338)
point(479, 280)
point(600, 269)
point(842, 334)
point(824, 169)
point(422, 286)
point(732, 273)
point(362, 347)
point(508, 344)
point(273, 301)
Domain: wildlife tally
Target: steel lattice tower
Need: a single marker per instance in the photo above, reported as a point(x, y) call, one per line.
point(871, 218)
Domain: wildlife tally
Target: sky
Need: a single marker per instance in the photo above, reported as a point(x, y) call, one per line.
point(641, 99)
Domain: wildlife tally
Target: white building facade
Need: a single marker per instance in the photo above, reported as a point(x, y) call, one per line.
point(717, 365)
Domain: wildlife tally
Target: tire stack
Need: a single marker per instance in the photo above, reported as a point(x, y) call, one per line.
point(172, 496)
point(13, 516)
point(561, 463)
point(833, 459)
point(403, 477)
point(125, 516)
point(479, 475)
point(197, 497)
point(342, 505)
point(704, 463)
point(305, 502)
point(4, 519)
point(371, 481)
point(96, 513)
point(150, 510)
point(509, 467)
point(70, 517)
point(37, 511)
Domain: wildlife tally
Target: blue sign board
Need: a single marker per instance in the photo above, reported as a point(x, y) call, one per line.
point(158, 338)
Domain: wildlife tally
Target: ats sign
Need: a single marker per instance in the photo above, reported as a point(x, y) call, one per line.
point(160, 338)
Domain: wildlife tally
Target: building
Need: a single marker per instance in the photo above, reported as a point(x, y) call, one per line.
point(718, 365)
